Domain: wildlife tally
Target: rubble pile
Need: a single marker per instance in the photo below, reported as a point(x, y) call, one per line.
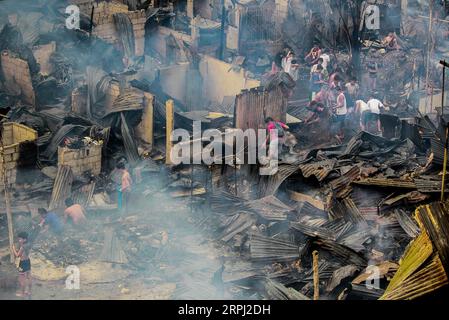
point(360, 214)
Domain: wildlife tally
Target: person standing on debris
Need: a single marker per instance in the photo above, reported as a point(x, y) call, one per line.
point(276, 139)
point(75, 212)
point(51, 221)
point(123, 187)
point(294, 70)
point(340, 111)
point(290, 65)
point(362, 111)
point(23, 254)
point(323, 71)
point(352, 90)
point(375, 106)
point(316, 80)
point(372, 71)
point(326, 58)
point(314, 54)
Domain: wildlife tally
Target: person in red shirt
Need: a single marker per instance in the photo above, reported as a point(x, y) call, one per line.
point(75, 212)
point(275, 138)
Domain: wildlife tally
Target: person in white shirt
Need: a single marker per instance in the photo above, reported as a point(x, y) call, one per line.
point(362, 110)
point(340, 113)
point(375, 106)
point(294, 69)
point(326, 59)
point(323, 71)
point(287, 62)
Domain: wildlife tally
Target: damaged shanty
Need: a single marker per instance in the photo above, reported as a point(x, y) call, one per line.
point(359, 213)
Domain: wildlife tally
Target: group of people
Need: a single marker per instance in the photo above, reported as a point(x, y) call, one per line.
point(332, 99)
point(50, 221)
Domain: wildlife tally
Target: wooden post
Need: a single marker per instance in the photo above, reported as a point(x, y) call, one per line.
point(429, 53)
point(146, 127)
point(169, 106)
point(7, 204)
point(444, 164)
point(190, 9)
point(316, 276)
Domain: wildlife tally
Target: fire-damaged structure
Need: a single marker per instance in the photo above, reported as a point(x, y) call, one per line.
point(92, 93)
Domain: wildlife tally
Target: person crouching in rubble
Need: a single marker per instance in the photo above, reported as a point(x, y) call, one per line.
point(320, 119)
point(24, 268)
point(51, 221)
point(123, 187)
point(74, 212)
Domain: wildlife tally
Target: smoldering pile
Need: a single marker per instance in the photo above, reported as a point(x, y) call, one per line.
point(354, 204)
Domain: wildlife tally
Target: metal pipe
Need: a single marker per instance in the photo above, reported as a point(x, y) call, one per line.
point(222, 29)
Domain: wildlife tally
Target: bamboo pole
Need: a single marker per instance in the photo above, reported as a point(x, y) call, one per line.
point(316, 276)
point(429, 53)
point(444, 164)
point(169, 106)
point(148, 126)
point(7, 204)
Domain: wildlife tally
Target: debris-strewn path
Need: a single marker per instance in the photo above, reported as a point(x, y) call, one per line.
point(168, 258)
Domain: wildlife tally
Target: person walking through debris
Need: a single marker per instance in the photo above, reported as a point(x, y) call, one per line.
point(24, 268)
point(375, 106)
point(276, 139)
point(51, 221)
point(123, 187)
point(74, 212)
point(340, 112)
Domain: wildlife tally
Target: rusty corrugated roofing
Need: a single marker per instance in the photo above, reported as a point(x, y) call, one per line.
point(395, 183)
point(319, 169)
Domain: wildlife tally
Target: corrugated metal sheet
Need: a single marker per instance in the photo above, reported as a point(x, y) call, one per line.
point(430, 185)
point(254, 105)
point(394, 183)
point(434, 218)
point(429, 278)
point(319, 169)
point(342, 185)
point(417, 252)
point(62, 187)
point(268, 249)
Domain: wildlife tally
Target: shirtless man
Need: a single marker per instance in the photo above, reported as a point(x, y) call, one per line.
point(75, 212)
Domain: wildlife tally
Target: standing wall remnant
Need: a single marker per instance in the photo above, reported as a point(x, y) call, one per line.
point(18, 76)
point(254, 105)
point(13, 134)
point(86, 159)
